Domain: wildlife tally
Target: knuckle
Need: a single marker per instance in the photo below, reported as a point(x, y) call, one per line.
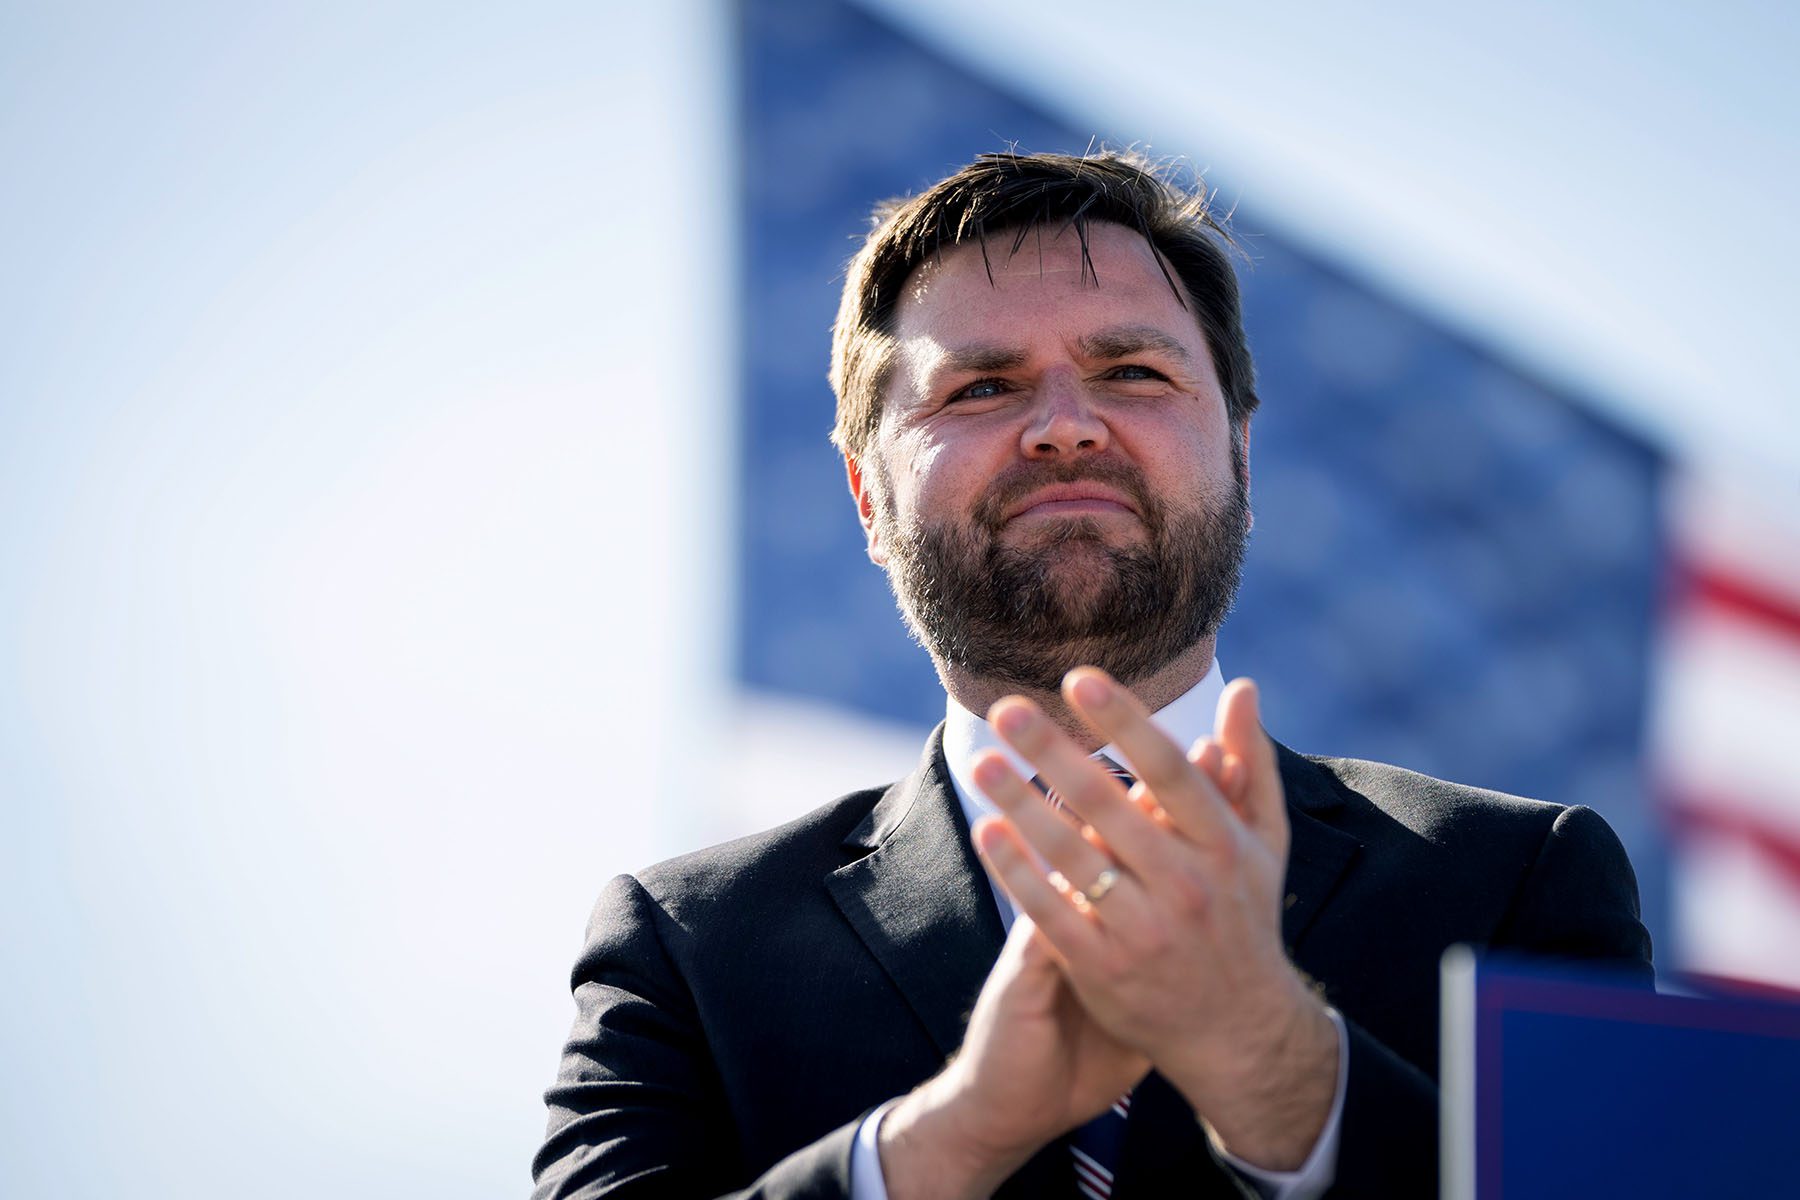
point(1190, 894)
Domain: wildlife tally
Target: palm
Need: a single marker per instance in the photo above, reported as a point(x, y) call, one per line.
point(1043, 1063)
point(1099, 1067)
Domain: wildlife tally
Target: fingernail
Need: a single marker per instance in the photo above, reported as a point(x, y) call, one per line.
point(1092, 691)
point(1012, 720)
point(990, 773)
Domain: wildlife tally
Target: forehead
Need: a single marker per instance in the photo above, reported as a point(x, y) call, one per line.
point(1044, 284)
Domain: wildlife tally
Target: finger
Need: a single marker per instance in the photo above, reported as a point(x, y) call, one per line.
point(1076, 855)
point(1213, 764)
point(1233, 781)
point(1018, 952)
point(1008, 859)
point(1146, 801)
point(1027, 973)
point(1086, 787)
point(1239, 731)
point(1092, 837)
point(1028, 947)
point(1225, 770)
point(1054, 835)
point(1078, 780)
point(1186, 794)
point(1034, 948)
point(1206, 754)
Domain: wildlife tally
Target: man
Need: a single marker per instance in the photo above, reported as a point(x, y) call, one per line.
point(1221, 971)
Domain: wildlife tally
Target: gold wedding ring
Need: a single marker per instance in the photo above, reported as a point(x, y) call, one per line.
point(1103, 883)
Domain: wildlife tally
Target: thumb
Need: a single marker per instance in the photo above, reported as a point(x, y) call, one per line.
point(1034, 952)
point(1239, 730)
point(1025, 978)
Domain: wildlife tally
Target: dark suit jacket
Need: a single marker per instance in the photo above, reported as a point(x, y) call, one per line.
point(740, 1009)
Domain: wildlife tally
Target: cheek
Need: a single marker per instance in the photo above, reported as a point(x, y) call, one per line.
point(1183, 465)
point(1202, 440)
point(919, 470)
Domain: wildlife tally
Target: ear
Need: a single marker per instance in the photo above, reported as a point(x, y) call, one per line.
point(865, 508)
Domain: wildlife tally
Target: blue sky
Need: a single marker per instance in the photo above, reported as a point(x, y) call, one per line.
point(1600, 189)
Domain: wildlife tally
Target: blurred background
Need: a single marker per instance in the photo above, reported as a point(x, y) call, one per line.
point(415, 502)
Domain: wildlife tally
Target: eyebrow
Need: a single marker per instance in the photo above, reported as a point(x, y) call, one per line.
point(1123, 341)
point(980, 359)
point(1116, 342)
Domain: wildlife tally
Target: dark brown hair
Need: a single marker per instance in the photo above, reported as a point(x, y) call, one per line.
point(1016, 193)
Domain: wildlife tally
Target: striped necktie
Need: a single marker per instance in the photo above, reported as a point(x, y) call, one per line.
point(1095, 1146)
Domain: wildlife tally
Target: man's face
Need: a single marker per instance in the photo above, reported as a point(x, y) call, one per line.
point(1053, 480)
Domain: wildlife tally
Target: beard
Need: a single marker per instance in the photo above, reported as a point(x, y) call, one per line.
point(1027, 614)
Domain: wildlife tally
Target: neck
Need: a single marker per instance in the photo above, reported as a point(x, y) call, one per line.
point(978, 693)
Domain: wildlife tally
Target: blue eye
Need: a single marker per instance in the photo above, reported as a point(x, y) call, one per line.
point(981, 389)
point(1135, 372)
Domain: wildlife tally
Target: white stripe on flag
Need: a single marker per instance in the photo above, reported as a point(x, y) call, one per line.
point(1727, 702)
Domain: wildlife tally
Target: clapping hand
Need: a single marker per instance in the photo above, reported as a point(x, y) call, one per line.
point(1162, 905)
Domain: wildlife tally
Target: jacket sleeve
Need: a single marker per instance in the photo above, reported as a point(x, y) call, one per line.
point(1578, 899)
point(637, 1109)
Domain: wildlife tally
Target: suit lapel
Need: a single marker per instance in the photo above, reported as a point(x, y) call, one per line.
point(919, 899)
point(1317, 852)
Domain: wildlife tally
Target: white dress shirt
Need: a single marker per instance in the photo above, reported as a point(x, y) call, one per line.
point(1185, 719)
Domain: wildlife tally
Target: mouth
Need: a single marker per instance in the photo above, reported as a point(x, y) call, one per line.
point(1072, 500)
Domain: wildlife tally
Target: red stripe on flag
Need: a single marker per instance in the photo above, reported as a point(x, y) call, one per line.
point(1702, 587)
point(1719, 820)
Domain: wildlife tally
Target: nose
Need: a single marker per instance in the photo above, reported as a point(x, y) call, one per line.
point(1063, 422)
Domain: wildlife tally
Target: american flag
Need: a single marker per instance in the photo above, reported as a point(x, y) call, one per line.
point(1727, 716)
point(1460, 565)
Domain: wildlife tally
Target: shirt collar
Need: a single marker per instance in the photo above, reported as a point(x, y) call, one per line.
point(1186, 719)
